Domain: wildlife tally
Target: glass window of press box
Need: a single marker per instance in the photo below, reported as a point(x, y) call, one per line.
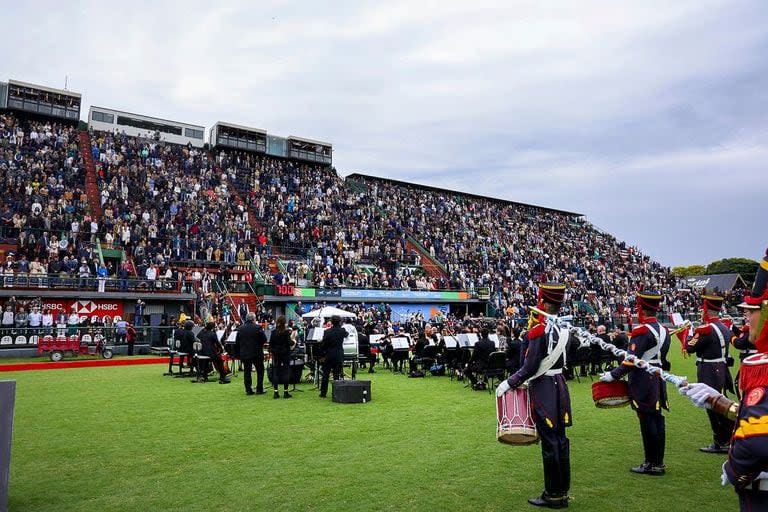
point(310, 151)
point(193, 133)
point(150, 126)
point(102, 117)
point(241, 139)
point(39, 101)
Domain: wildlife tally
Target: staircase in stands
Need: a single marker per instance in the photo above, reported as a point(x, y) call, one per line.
point(91, 180)
point(253, 221)
point(431, 266)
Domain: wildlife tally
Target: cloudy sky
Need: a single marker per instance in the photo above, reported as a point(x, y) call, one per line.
point(649, 117)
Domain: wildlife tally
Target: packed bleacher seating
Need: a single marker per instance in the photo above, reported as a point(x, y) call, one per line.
point(43, 209)
point(310, 215)
point(172, 207)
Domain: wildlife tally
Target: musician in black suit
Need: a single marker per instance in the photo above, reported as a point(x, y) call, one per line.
point(479, 360)
point(213, 349)
point(418, 352)
point(280, 345)
point(364, 348)
point(514, 351)
point(250, 342)
point(185, 341)
point(332, 350)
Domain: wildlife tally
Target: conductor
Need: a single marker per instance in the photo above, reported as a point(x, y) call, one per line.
point(250, 342)
point(332, 350)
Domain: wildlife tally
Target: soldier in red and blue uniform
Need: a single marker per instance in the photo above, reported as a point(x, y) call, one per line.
point(648, 393)
point(747, 465)
point(710, 345)
point(550, 400)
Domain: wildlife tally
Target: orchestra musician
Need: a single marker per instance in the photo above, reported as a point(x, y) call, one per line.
point(479, 360)
point(250, 341)
point(332, 352)
point(280, 345)
point(213, 349)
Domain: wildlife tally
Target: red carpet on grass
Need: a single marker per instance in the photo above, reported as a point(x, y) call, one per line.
point(50, 365)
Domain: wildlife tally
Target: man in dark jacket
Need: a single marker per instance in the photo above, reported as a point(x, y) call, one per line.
point(332, 350)
point(185, 340)
point(250, 342)
point(479, 361)
point(212, 348)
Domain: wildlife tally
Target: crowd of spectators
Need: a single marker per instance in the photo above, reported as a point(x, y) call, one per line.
point(168, 205)
point(309, 214)
point(43, 208)
point(508, 248)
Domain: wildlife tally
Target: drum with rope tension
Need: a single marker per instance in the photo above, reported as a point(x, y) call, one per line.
point(514, 421)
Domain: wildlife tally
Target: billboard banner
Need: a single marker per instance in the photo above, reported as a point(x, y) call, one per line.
point(403, 312)
point(85, 308)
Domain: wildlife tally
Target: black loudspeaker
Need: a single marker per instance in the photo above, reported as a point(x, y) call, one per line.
point(351, 391)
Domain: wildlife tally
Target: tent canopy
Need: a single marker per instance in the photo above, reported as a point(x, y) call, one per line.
point(721, 282)
point(328, 312)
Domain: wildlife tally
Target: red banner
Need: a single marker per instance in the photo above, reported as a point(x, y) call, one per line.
point(85, 308)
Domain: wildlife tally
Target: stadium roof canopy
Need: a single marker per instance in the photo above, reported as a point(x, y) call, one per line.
point(456, 192)
point(721, 282)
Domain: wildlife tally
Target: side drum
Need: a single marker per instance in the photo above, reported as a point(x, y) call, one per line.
point(514, 421)
point(608, 395)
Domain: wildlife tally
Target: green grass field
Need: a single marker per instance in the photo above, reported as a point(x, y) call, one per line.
point(128, 439)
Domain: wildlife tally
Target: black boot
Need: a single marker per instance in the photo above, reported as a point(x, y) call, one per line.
point(276, 395)
point(549, 501)
point(646, 468)
point(714, 448)
point(287, 394)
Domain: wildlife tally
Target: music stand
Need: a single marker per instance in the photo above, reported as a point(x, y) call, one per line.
point(401, 345)
point(313, 339)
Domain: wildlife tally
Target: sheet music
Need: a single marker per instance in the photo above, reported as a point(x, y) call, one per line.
point(315, 334)
point(375, 338)
point(495, 339)
point(232, 337)
point(400, 343)
point(451, 342)
point(467, 340)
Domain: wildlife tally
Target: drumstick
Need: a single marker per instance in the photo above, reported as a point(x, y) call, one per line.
point(594, 340)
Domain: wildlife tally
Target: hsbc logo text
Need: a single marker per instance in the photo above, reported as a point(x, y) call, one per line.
point(87, 307)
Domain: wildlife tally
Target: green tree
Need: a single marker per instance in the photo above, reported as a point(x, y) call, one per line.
point(743, 266)
point(691, 270)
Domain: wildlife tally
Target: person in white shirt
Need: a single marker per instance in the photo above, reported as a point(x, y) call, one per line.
point(151, 273)
point(7, 321)
point(72, 322)
point(47, 322)
point(35, 319)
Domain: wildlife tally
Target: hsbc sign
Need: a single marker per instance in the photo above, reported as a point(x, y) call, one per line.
point(85, 308)
point(88, 307)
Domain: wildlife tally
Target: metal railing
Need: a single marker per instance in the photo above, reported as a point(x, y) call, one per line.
point(29, 337)
point(69, 282)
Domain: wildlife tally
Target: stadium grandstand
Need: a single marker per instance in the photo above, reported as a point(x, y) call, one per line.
point(143, 219)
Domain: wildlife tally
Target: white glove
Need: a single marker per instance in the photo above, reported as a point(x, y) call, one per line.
point(607, 377)
point(699, 393)
point(502, 388)
point(724, 476)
